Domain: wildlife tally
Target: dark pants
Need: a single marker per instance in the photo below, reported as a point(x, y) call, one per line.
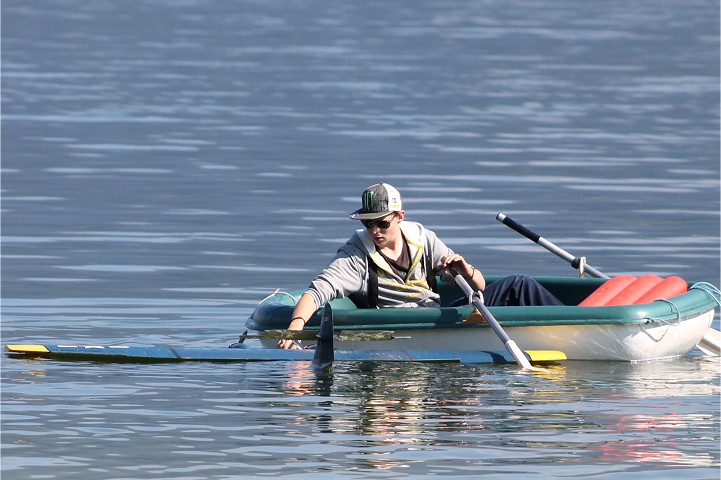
point(515, 290)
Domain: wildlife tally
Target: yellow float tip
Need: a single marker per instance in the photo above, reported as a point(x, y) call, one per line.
point(27, 348)
point(546, 355)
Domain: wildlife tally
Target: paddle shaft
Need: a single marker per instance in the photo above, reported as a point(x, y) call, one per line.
point(551, 247)
point(510, 345)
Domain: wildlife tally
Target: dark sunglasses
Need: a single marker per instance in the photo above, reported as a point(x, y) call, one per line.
point(382, 224)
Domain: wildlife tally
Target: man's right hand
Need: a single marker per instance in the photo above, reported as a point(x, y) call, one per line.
point(287, 344)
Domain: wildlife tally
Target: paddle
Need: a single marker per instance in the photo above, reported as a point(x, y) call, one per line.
point(710, 344)
point(576, 262)
point(477, 299)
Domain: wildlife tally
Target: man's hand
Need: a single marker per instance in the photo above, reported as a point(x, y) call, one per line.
point(457, 263)
point(288, 344)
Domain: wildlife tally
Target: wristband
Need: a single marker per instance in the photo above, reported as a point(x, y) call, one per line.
point(298, 318)
point(473, 272)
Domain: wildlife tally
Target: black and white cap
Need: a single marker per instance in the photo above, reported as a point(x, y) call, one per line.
point(379, 200)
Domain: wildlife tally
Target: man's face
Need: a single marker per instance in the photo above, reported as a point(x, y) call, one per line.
point(384, 229)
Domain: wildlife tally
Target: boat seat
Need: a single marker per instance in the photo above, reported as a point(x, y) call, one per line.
point(628, 290)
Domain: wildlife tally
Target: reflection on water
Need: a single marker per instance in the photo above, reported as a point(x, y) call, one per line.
point(367, 415)
point(575, 413)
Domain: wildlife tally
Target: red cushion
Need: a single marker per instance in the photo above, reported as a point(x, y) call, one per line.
point(628, 290)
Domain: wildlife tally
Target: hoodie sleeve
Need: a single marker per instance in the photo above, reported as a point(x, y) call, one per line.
point(345, 275)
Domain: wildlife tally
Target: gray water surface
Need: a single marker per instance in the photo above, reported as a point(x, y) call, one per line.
point(167, 164)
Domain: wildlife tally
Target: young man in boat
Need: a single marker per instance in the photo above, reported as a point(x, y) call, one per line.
point(392, 262)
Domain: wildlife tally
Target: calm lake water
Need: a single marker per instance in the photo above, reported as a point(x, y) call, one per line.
point(166, 164)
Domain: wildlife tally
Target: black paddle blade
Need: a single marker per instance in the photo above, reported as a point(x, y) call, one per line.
point(323, 357)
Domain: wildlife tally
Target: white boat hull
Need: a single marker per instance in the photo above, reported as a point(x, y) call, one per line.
point(633, 342)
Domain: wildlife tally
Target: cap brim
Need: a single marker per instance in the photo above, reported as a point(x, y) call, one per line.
point(359, 215)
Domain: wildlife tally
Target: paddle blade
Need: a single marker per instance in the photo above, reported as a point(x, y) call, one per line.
point(518, 355)
point(710, 344)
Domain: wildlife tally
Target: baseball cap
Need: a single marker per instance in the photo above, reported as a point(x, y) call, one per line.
point(378, 201)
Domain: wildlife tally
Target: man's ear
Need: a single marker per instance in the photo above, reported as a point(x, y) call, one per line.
point(401, 214)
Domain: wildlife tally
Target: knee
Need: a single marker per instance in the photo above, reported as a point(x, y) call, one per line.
point(519, 278)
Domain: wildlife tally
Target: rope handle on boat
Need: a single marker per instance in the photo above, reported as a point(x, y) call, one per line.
point(673, 307)
point(278, 292)
point(709, 289)
point(703, 286)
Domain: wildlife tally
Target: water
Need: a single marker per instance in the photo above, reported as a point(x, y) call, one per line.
point(167, 164)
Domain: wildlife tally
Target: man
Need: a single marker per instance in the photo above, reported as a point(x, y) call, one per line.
point(392, 263)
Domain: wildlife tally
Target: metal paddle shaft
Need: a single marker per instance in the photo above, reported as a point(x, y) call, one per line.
point(510, 345)
point(551, 247)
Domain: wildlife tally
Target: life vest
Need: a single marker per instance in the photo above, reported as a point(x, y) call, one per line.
point(415, 238)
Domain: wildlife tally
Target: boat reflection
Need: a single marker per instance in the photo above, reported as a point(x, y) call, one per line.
point(575, 412)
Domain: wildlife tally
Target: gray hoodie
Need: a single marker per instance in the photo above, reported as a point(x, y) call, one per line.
point(348, 272)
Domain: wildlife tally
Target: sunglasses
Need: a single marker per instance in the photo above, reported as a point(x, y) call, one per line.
point(382, 224)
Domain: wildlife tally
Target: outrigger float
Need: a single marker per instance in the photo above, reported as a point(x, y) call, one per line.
point(322, 355)
point(620, 319)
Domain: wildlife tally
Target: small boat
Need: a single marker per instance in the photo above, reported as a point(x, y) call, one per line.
point(600, 320)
